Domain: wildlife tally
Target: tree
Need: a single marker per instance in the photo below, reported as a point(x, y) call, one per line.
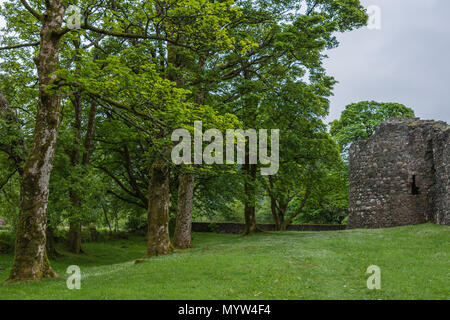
point(359, 121)
point(304, 168)
point(30, 258)
point(182, 236)
point(285, 45)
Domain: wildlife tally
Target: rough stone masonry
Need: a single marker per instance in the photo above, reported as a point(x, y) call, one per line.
point(401, 175)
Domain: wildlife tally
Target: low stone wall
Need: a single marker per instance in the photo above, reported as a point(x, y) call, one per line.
point(236, 228)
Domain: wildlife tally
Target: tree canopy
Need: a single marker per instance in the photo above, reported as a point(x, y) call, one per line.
point(359, 120)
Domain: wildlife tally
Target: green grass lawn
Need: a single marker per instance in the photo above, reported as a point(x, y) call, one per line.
point(414, 264)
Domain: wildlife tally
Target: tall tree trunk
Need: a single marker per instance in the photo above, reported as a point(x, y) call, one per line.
point(250, 201)
point(116, 218)
point(183, 227)
point(51, 244)
point(282, 209)
point(158, 210)
point(74, 238)
point(249, 169)
point(274, 210)
point(30, 257)
point(74, 235)
point(277, 208)
point(90, 134)
point(105, 212)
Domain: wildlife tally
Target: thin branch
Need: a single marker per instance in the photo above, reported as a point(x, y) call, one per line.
point(126, 35)
point(129, 169)
point(303, 203)
point(127, 200)
point(98, 96)
point(119, 183)
point(36, 14)
point(7, 179)
point(24, 45)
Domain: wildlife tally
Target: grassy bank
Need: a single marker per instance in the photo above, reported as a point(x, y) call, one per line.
point(414, 264)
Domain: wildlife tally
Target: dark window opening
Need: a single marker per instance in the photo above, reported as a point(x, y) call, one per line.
point(414, 188)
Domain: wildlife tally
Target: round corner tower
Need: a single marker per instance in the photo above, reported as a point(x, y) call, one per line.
point(401, 175)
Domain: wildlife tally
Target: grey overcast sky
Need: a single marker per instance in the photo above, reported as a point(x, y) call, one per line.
point(406, 61)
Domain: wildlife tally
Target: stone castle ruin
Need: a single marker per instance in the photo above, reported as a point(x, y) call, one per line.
point(401, 175)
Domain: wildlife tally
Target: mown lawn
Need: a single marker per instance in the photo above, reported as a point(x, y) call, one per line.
point(414, 264)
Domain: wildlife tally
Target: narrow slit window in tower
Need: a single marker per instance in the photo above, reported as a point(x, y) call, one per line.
point(414, 187)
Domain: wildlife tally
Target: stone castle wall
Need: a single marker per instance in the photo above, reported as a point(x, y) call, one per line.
point(400, 176)
point(442, 160)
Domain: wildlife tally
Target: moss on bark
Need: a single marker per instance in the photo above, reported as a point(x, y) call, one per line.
point(158, 210)
point(182, 236)
point(30, 257)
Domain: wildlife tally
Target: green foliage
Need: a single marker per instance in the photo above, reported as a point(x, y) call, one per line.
point(328, 203)
point(7, 237)
point(154, 66)
point(359, 120)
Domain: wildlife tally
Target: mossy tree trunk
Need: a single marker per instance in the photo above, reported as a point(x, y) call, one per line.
point(158, 210)
point(30, 257)
point(183, 227)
